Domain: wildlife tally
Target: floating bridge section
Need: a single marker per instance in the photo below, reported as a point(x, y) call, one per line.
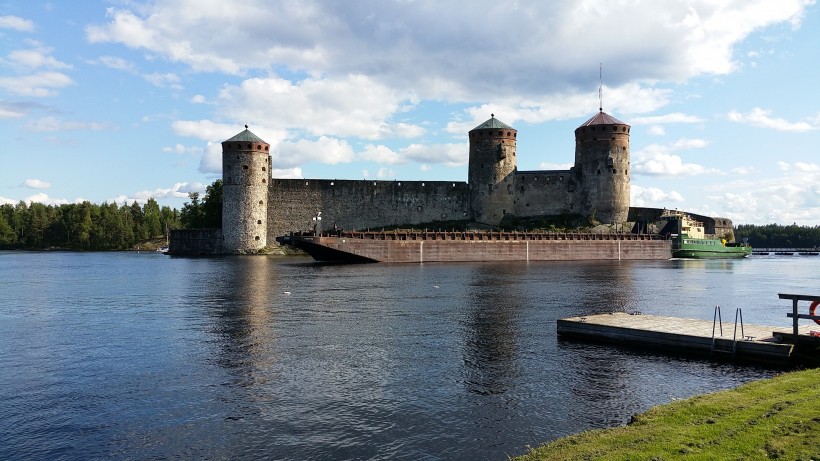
point(754, 343)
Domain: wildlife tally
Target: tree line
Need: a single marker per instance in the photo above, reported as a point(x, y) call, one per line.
point(778, 236)
point(107, 226)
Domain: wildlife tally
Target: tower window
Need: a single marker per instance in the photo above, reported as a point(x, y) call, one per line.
point(264, 169)
point(599, 171)
point(256, 238)
point(259, 221)
point(244, 167)
point(264, 180)
point(249, 146)
point(261, 202)
point(259, 147)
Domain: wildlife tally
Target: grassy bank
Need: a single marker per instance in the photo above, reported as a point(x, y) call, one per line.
point(778, 418)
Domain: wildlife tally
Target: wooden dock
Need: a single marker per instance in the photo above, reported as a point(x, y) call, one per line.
point(758, 343)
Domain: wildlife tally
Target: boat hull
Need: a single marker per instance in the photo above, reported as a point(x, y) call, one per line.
point(703, 254)
point(478, 246)
point(709, 249)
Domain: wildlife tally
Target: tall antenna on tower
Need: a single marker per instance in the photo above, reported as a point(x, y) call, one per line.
point(601, 87)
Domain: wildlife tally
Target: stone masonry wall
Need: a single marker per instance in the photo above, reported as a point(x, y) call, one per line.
point(245, 176)
point(196, 242)
point(361, 204)
point(491, 173)
point(602, 161)
point(541, 193)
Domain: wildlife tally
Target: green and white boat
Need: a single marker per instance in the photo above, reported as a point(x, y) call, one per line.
point(691, 241)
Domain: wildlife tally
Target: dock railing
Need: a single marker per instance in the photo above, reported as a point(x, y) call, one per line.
point(795, 315)
point(718, 321)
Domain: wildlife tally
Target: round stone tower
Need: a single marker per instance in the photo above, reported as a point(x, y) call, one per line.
point(602, 168)
point(492, 167)
point(245, 174)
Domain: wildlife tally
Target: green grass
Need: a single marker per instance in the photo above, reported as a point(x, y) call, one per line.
point(778, 418)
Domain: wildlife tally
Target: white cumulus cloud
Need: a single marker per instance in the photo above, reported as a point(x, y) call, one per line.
point(287, 173)
point(42, 84)
point(323, 150)
point(177, 190)
point(36, 58)
point(653, 197)
point(445, 50)
point(353, 105)
point(36, 184)
point(16, 23)
point(764, 119)
point(789, 195)
point(659, 160)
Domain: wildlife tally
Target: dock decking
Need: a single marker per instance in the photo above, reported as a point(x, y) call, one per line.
point(756, 342)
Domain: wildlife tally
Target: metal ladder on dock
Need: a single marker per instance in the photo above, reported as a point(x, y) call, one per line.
point(716, 320)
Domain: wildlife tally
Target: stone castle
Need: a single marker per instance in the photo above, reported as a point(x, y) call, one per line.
point(257, 208)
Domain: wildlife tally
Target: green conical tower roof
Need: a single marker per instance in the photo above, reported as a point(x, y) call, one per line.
point(246, 136)
point(493, 123)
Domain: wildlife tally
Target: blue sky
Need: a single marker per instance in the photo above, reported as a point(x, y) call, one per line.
point(127, 100)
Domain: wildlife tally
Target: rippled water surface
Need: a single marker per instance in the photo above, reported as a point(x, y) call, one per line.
point(144, 356)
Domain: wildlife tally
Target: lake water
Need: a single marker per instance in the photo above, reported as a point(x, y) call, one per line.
point(145, 356)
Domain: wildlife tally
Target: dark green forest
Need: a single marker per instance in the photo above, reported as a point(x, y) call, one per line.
point(108, 226)
point(778, 236)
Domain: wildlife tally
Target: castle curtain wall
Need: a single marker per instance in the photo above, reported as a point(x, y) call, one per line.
point(361, 204)
point(541, 193)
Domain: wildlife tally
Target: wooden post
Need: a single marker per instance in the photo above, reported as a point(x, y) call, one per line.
point(795, 315)
point(795, 328)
